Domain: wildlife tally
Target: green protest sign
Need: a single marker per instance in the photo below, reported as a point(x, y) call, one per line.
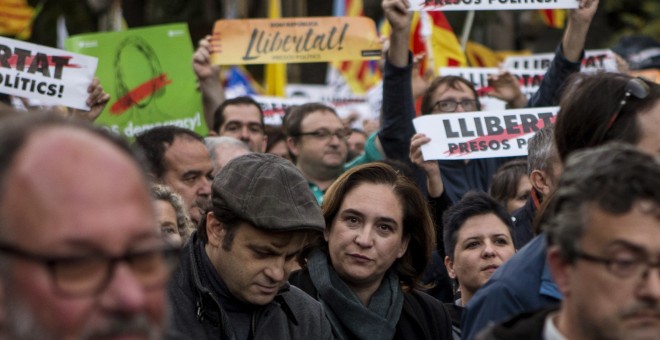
point(148, 74)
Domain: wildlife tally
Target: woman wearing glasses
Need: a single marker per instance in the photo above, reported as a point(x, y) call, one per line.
point(365, 271)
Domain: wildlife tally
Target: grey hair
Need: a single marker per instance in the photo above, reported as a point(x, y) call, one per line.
point(224, 141)
point(613, 177)
point(183, 222)
point(541, 150)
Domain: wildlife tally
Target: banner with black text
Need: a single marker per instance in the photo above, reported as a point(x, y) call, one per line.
point(484, 134)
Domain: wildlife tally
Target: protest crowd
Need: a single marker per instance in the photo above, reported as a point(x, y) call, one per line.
point(469, 203)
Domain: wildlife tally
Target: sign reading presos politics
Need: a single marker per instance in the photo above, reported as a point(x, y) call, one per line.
point(486, 5)
point(148, 75)
point(485, 134)
point(294, 40)
point(594, 60)
point(52, 76)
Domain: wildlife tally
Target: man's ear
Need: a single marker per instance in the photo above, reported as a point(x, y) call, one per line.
point(215, 231)
point(541, 182)
point(293, 146)
point(560, 269)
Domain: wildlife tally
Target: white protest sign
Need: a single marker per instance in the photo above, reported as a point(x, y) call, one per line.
point(473, 135)
point(273, 107)
point(52, 76)
point(356, 106)
point(594, 60)
point(529, 80)
point(487, 5)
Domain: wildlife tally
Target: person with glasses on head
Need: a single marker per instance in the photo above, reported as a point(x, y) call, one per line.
point(455, 94)
point(609, 106)
point(594, 110)
point(80, 257)
point(318, 140)
point(603, 237)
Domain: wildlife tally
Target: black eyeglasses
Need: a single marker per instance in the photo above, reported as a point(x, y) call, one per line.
point(325, 134)
point(78, 276)
point(451, 105)
point(623, 268)
point(635, 87)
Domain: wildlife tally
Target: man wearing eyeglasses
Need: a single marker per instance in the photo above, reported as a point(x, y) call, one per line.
point(450, 94)
point(318, 140)
point(80, 257)
point(603, 233)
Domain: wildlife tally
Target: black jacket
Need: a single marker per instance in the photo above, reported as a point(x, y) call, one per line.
point(197, 313)
point(528, 326)
point(422, 317)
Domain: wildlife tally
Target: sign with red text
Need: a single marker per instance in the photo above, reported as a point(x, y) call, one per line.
point(484, 134)
point(594, 61)
point(148, 75)
point(294, 40)
point(489, 5)
point(52, 76)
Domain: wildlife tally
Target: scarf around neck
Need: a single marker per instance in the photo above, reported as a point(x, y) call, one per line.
point(348, 316)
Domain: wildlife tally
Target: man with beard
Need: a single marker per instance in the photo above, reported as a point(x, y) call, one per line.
point(177, 158)
point(80, 255)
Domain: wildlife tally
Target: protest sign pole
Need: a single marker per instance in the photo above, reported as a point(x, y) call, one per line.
point(467, 28)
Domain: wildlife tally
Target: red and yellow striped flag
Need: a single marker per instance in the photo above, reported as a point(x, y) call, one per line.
point(442, 47)
point(16, 18)
point(554, 18)
point(445, 47)
point(360, 75)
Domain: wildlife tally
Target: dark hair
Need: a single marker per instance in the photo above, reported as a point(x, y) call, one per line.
point(589, 105)
point(505, 181)
point(613, 177)
point(229, 219)
point(451, 82)
point(219, 114)
point(154, 144)
point(275, 135)
point(417, 222)
point(293, 118)
point(472, 204)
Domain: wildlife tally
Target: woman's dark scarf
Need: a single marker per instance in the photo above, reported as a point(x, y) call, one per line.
point(349, 318)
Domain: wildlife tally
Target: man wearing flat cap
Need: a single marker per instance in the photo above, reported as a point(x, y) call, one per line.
point(232, 281)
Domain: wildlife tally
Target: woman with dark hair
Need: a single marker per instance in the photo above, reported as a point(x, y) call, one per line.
point(511, 186)
point(365, 271)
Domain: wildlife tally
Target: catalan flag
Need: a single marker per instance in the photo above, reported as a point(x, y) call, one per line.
point(445, 47)
point(554, 18)
point(275, 74)
point(16, 18)
point(360, 75)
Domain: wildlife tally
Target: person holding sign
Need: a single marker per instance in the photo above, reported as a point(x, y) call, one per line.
point(454, 94)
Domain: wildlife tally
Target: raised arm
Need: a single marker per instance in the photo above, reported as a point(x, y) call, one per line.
point(208, 77)
point(398, 105)
point(568, 57)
